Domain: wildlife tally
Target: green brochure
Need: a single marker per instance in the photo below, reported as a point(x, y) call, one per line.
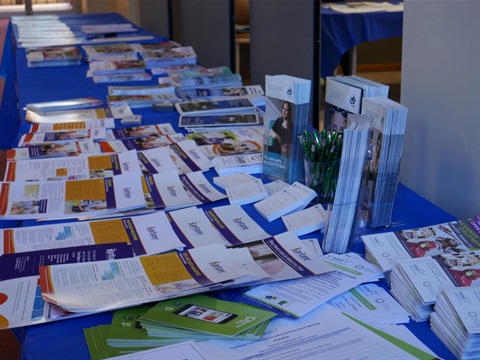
point(205, 314)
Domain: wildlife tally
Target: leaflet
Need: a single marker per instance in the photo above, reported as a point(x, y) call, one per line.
point(73, 167)
point(193, 227)
point(125, 282)
point(143, 143)
point(140, 131)
point(58, 149)
point(156, 161)
point(201, 191)
point(299, 297)
point(70, 198)
point(166, 191)
point(235, 225)
point(188, 157)
point(39, 138)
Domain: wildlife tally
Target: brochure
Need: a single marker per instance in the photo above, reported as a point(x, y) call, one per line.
point(70, 126)
point(44, 107)
point(298, 297)
point(141, 131)
point(235, 225)
point(52, 150)
point(146, 234)
point(166, 191)
point(73, 167)
point(232, 164)
point(39, 138)
point(142, 143)
point(70, 198)
point(200, 190)
point(156, 161)
point(215, 106)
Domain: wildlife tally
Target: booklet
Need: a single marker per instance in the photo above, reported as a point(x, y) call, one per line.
point(70, 198)
point(122, 67)
point(445, 238)
point(236, 105)
point(73, 167)
point(53, 56)
point(99, 52)
point(111, 78)
point(169, 56)
point(146, 234)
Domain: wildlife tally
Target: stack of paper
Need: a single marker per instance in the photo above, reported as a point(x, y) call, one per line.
point(111, 52)
point(354, 153)
point(188, 81)
point(416, 283)
point(143, 143)
point(141, 131)
point(57, 149)
point(142, 100)
point(254, 92)
point(233, 141)
point(455, 321)
point(286, 115)
point(387, 248)
point(54, 56)
point(172, 56)
point(196, 316)
point(200, 122)
point(293, 198)
point(389, 121)
point(232, 164)
point(306, 221)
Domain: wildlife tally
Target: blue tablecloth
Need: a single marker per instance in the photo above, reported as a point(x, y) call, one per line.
point(341, 32)
point(65, 339)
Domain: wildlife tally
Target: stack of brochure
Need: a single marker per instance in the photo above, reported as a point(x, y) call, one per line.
point(54, 56)
point(68, 116)
point(240, 140)
point(143, 100)
point(222, 121)
point(455, 321)
point(216, 107)
point(71, 198)
point(286, 115)
point(232, 164)
point(172, 56)
point(141, 131)
point(199, 317)
point(344, 95)
point(386, 248)
point(416, 283)
point(161, 88)
point(111, 52)
point(389, 121)
point(189, 80)
point(163, 276)
point(293, 198)
point(354, 153)
point(254, 92)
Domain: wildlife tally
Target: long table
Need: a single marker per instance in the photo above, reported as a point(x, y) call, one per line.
point(65, 339)
point(342, 32)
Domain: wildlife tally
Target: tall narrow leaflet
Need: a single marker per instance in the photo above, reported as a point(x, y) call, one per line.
point(286, 115)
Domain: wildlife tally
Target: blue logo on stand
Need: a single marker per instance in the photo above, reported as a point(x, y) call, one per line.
point(353, 100)
point(289, 92)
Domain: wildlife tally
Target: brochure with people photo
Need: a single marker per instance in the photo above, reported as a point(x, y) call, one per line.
point(286, 115)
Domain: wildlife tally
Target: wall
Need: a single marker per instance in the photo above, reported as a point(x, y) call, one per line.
point(441, 89)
